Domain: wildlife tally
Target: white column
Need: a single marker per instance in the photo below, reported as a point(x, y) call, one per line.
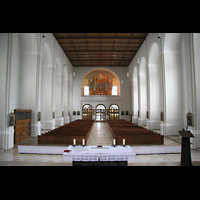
point(6, 136)
point(142, 100)
point(46, 98)
point(66, 100)
point(195, 80)
point(173, 96)
point(58, 100)
point(154, 97)
point(28, 89)
point(135, 102)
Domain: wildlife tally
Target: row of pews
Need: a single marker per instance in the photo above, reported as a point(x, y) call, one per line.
point(79, 130)
point(132, 133)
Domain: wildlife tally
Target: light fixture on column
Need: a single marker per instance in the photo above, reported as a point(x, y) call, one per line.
point(159, 36)
point(138, 61)
point(74, 74)
point(43, 35)
point(64, 62)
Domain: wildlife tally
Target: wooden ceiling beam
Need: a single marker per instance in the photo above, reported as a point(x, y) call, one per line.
point(98, 42)
point(101, 38)
point(102, 51)
point(101, 60)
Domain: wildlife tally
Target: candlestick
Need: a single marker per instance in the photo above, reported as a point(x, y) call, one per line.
point(74, 142)
point(123, 142)
point(114, 143)
point(83, 142)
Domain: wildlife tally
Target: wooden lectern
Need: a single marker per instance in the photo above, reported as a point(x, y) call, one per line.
point(185, 148)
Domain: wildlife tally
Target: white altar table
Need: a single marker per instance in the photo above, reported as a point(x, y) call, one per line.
point(94, 153)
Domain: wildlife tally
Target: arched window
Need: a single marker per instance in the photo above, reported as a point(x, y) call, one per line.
point(114, 90)
point(86, 90)
point(87, 111)
point(114, 111)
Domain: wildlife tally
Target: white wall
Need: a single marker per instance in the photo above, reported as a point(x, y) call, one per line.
point(28, 77)
point(173, 83)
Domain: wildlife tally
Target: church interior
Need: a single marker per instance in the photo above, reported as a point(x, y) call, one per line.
point(104, 90)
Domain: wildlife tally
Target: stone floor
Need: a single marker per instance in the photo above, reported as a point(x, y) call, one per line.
point(99, 136)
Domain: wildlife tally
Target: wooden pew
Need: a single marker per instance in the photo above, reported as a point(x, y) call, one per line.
point(132, 133)
point(79, 130)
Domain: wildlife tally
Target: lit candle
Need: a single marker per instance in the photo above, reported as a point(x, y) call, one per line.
point(114, 142)
point(124, 142)
point(74, 142)
point(83, 142)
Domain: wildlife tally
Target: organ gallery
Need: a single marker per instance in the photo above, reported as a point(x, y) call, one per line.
point(100, 85)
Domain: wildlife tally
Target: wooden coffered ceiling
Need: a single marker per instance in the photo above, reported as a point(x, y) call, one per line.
point(100, 49)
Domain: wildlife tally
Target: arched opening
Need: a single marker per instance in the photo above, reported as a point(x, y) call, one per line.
point(173, 61)
point(142, 93)
point(87, 111)
point(65, 94)
point(100, 113)
point(135, 95)
point(154, 88)
point(114, 112)
point(58, 93)
point(101, 82)
point(46, 88)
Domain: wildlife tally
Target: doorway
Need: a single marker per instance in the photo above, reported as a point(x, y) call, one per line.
point(100, 113)
point(87, 111)
point(114, 112)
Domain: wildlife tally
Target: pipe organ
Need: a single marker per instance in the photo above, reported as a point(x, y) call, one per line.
point(100, 86)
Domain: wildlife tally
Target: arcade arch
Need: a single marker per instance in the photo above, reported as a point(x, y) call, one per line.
point(173, 83)
point(46, 88)
point(154, 87)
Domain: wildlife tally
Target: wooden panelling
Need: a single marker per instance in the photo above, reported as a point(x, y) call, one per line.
point(22, 125)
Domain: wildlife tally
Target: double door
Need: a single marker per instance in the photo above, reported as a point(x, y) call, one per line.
point(100, 113)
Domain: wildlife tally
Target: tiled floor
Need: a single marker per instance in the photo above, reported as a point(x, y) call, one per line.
point(100, 136)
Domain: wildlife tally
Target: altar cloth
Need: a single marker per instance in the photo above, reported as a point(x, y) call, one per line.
point(105, 153)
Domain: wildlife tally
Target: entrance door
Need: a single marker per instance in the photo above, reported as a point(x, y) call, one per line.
point(114, 111)
point(87, 111)
point(100, 113)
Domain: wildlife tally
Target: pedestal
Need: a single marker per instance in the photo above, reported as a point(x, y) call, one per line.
point(185, 148)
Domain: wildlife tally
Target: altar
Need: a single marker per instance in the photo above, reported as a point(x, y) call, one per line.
point(95, 154)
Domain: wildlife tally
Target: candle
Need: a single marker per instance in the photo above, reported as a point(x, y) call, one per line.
point(114, 142)
point(124, 142)
point(74, 142)
point(83, 142)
